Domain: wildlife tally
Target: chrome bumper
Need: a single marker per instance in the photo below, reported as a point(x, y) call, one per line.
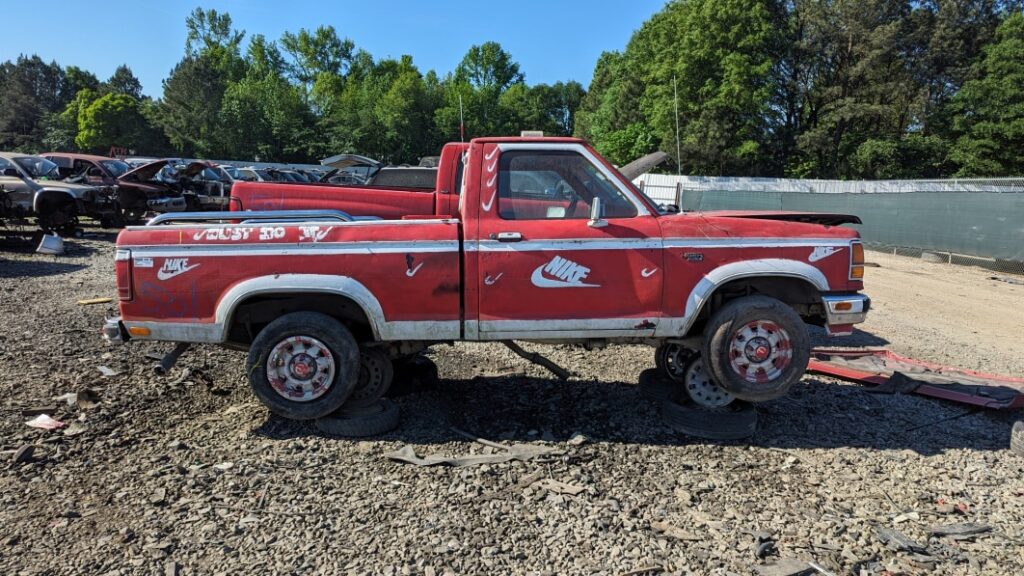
point(844, 310)
point(113, 331)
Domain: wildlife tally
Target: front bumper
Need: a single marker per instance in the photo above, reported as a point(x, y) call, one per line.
point(167, 204)
point(113, 331)
point(842, 311)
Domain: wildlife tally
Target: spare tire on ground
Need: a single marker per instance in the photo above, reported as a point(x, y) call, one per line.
point(733, 422)
point(377, 418)
point(655, 385)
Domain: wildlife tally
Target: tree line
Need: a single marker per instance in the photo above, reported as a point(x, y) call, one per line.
point(799, 88)
point(818, 88)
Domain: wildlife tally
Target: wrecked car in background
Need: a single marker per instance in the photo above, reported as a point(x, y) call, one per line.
point(92, 170)
point(35, 188)
point(169, 185)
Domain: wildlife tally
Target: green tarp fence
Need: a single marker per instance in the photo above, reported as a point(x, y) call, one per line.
point(982, 224)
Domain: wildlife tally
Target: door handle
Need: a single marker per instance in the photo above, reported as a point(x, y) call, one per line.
point(507, 237)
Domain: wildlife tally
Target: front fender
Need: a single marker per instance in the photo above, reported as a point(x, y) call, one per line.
point(47, 199)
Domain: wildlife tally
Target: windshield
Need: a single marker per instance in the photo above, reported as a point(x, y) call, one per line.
point(115, 167)
point(37, 167)
point(232, 171)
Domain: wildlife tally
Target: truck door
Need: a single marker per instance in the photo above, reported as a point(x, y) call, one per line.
point(545, 269)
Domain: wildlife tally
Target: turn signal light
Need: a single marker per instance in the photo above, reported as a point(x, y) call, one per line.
point(138, 331)
point(857, 272)
point(843, 307)
point(858, 253)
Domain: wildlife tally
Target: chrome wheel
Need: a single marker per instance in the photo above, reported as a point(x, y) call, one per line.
point(300, 368)
point(760, 351)
point(702, 389)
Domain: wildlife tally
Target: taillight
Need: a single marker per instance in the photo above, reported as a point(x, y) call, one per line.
point(856, 261)
point(123, 266)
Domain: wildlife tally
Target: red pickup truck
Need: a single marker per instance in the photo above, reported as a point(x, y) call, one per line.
point(535, 239)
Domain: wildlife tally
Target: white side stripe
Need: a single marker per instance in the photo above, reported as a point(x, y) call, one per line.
point(304, 249)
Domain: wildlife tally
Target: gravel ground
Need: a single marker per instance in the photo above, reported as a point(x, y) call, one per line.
point(190, 475)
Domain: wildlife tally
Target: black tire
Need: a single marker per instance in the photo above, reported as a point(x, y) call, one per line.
point(413, 374)
point(734, 422)
point(377, 418)
point(724, 327)
point(672, 359)
point(375, 376)
point(344, 352)
point(1017, 438)
point(655, 385)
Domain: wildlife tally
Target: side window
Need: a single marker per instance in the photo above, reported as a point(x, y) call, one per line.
point(555, 185)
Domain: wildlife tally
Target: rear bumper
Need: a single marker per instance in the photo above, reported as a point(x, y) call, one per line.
point(842, 311)
point(113, 331)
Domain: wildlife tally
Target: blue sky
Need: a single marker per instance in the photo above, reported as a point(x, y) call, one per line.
point(552, 40)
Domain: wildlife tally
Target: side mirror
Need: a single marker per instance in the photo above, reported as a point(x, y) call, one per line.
point(671, 208)
point(11, 173)
point(597, 214)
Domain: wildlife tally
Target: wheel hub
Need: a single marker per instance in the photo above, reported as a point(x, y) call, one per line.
point(760, 351)
point(300, 368)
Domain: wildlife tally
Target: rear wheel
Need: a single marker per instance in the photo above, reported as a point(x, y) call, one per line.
point(375, 376)
point(303, 365)
point(755, 348)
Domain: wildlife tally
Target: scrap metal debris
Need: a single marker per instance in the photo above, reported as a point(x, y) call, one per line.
point(84, 399)
point(1008, 280)
point(898, 541)
point(888, 372)
point(44, 422)
point(960, 531)
point(107, 372)
point(521, 452)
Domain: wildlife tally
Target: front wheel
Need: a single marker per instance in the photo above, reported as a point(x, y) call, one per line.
point(303, 365)
point(756, 348)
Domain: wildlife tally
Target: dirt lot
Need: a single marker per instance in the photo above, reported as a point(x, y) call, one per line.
point(190, 475)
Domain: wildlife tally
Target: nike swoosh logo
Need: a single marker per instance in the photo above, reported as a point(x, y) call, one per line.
point(541, 281)
point(163, 275)
point(492, 167)
point(490, 281)
point(492, 153)
point(821, 252)
point(648, 273)
point(487, 205)
point(412, 271)
point(491, 181)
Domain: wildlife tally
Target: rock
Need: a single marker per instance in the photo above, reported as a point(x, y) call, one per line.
point(24, 454)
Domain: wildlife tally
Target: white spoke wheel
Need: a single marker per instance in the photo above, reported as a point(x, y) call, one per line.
point(375, 376)
point(756, 348)
point(704, 391)
point(303, 365)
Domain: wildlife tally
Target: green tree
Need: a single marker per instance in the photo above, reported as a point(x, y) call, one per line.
point(31, 90)
point(123, 81)
point(111, 120)
point(191, 104)
point(989, 111)
point(319, 60)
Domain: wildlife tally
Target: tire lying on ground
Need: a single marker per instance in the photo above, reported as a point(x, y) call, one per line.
point(377, 418)
point(736, 421)
point(655, 385)
point(756, 348)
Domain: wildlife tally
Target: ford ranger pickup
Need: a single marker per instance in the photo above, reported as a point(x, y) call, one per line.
point(535, 239)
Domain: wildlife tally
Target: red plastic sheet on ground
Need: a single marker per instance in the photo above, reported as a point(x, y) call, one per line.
point(889, 372)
